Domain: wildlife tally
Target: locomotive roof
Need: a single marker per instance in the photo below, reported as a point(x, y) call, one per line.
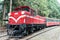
point(52, 18)
point(23, 7)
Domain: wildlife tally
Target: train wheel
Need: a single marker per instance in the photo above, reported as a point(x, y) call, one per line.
point(35, 28)
point(9, 33)
point(38, 27)
point(26, 32)
point(31, 30)
point(42, 27)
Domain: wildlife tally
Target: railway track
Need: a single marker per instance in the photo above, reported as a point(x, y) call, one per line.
point(29, 36)
point(39, 32)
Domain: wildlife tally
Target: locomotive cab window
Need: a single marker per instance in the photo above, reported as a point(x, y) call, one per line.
point(25, 9)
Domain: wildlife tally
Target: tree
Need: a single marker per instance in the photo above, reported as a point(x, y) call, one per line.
point(4, 11)
point(10, 5)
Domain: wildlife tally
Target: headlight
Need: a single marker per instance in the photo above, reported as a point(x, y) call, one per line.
point(9, 14)
point(22, 12)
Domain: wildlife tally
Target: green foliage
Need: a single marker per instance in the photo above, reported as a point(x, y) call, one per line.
point(47, 8)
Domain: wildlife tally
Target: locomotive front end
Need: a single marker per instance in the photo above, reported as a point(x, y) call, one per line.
point(17, 22)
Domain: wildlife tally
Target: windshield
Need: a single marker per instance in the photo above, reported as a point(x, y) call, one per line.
point(25, 9)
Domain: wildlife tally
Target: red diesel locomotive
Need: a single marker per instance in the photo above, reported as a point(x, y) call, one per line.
point(23, 21)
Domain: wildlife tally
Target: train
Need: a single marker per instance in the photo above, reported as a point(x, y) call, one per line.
point(23, 21)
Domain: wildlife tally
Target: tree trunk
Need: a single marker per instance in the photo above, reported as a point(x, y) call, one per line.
point(4, 12)
point(10, 5)
point(36, 11)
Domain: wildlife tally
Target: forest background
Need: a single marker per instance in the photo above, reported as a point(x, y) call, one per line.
point(46, 8)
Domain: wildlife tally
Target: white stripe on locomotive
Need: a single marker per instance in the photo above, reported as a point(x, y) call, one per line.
point(23, 17)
